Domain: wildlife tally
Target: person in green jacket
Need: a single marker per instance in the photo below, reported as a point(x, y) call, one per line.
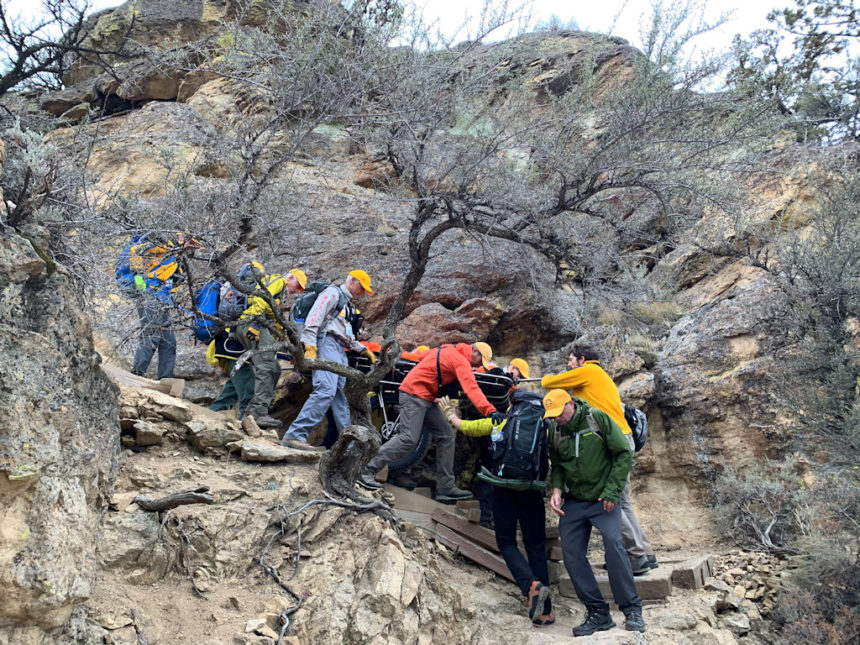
point(590, 460)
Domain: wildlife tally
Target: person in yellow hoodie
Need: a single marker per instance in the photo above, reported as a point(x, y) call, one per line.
point(252, 332)
point(588, 381)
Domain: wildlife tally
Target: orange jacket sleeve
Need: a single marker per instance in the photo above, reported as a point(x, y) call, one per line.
point(466, 377)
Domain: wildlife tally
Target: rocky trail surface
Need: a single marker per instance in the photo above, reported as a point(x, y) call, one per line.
point(193, 573)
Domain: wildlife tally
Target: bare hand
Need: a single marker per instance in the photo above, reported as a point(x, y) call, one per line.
point(607, 505)
point(555, 502)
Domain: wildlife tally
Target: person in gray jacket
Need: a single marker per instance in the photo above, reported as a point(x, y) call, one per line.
point(327, 334)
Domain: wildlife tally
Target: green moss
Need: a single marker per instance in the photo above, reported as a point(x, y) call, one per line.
point(50, 265)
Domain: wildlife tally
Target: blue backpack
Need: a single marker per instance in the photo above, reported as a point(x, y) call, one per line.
point(124, 274)
point(206, 298)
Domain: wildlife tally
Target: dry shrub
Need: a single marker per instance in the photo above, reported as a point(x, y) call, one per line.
point(758, 510)
point(657, 312)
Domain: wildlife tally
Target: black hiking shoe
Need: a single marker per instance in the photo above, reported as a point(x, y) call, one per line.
point(594, 622)
point(367, 480)
point(452, 494)
point(640, 565)
point(652, 561)
point(635, 622)
point(402, 480)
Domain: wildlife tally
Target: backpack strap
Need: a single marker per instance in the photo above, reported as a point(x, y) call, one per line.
point(592, 427)
point(438, 366)
point(334, 313)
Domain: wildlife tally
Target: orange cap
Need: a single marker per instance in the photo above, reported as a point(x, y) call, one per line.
point(554, 403)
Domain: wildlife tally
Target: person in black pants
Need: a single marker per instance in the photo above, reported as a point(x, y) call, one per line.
point(512, 506)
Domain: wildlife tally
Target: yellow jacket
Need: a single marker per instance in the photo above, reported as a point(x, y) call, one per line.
point(275, 284)
point(594, 386)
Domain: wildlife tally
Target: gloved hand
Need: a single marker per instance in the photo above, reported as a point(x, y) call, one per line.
point(498, 417)
point(310, 351)
point(139, 283)
point(369, 355)
point(253, 334)
point(448, 407)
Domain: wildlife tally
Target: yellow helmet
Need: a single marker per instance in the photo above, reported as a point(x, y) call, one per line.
point(521, 365)
point(363, 278)
point(486, 353)
point(300, 277)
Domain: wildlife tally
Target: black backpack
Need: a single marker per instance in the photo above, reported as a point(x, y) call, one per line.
point(638, 423)
point(303, 305)
point(522, 451)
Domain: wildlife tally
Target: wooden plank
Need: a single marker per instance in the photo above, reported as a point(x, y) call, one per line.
point(468, 504)
point(410, 501)
point(418, 519)
point(477, 534)
point(472, 551)
point(651, 586)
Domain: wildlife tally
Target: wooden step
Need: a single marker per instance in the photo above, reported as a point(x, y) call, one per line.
point(463, 546)
point(655, 585)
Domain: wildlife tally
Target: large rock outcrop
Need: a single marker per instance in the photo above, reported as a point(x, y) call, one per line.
point(59, 445)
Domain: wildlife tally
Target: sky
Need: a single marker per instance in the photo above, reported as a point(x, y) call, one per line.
point(622, 17)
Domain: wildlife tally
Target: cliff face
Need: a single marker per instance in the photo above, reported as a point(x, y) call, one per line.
point(59, 452)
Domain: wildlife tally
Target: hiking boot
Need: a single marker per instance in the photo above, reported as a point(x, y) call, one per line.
point(265, 421)
point(594, 622)
point(402, 480)
point(298, 444)
point(452, 494)
point(635, 622)
point(367, 480)
point(538, 593)
point(640, 565)
point(544, 619)
point(652, 560)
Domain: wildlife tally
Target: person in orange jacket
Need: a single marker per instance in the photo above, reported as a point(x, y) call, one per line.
point(418, 393)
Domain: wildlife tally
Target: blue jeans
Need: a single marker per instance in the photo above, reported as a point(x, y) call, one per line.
point(327, 393)
point(575, 529)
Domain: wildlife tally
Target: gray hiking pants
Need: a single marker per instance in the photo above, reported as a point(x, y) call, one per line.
point(575, 530)
point(635, 542)
point(267, 371)
point(327, 393)
point(156, 334)
point(415, 414)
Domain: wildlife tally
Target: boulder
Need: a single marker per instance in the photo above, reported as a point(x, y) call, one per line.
point(59, 441)
point(213, 433)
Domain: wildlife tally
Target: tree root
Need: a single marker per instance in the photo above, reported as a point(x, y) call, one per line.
point(196, 496)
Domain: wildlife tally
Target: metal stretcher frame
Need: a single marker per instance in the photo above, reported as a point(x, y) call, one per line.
point(495, 386)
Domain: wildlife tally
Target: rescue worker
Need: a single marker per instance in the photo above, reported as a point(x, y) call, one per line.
point(418, 393)
point(590, 461)
point(587, 380)
point(326, 335)
point(516, 502)
point(157, 272)
point(252, 332)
